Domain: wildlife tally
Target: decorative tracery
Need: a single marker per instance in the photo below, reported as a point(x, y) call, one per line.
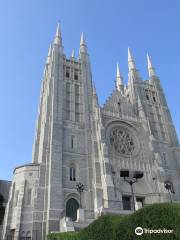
point(122, 141)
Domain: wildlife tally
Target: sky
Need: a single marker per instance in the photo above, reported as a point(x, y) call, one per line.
point(110, 27)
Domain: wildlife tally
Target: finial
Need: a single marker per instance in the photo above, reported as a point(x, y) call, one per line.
point(82, 42)
point(131, 63)
point(119, 79)
point(58, 30)
point(83, 47)
point(118, 74)
point(130, 58)
point(149, 61)
point(73, 54)
point(57, 39)
point(151, 69)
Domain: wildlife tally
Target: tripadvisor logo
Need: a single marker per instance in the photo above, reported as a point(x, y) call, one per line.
point(139, 231)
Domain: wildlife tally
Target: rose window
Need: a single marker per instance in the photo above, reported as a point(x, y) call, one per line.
point(122, 141)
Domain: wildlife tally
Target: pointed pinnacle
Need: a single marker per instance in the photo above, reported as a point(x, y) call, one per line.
point(57, 39)
point(82, 42)
point(83, 47)
point(118, 74)
point(58, 32)
point(131, 62)
point(149, 61)
point(150, 66)
point(130, 58)
point(73, 54)
point(119, 79)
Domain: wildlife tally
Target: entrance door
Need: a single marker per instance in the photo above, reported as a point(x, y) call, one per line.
point(71, 209)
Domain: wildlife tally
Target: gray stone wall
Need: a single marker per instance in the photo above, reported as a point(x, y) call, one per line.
point(73, 131)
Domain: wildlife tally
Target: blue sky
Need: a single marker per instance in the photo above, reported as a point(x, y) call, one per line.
point(110, 27)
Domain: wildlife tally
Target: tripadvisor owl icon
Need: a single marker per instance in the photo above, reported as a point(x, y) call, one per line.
point(139, 231)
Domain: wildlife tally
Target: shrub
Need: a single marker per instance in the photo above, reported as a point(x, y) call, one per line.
point(101, 229)
point(156, 216)
point(108, 227)
point(63, 236)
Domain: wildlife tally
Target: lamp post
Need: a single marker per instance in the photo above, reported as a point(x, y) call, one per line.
point(135, 175)
point(168, 185)
point(80, 189)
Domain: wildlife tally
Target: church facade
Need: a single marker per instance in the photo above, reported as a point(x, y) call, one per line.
point(76, 140)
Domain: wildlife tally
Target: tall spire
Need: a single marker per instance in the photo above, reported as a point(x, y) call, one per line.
point(119, 79)
point(133, 75)
point(131, 62)
point(58, 39)
point(83, 47)
point(151, 69)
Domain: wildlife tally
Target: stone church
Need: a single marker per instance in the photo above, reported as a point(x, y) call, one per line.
point(78, 141)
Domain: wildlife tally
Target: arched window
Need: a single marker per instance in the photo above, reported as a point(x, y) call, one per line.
point(71, 209)
point(72, 173)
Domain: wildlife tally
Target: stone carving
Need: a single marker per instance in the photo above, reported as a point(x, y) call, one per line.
point(122, 141)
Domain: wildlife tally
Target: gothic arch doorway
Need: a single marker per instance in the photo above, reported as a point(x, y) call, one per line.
point(72, 206)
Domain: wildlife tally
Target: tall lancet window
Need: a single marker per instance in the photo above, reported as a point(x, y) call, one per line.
point(77, 103)
point(72, 173)
point(154, 96)
point(28, 196)
point(72, 142)
point(147, 94)
point(68, 100)
point(67, 72)
point(76, 74)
